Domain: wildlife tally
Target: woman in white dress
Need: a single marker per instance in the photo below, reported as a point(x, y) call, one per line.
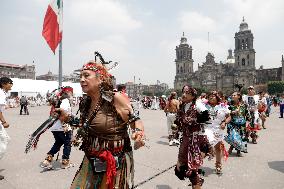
point(219, 118)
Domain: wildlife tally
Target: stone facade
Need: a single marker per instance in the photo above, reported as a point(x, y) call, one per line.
point(238, 69)
point(136, 90)
point(17, 71)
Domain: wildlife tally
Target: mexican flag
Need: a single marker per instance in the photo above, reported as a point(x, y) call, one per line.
point(52, 25)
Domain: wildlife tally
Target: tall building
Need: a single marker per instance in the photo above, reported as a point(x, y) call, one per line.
point(237, 70)
point(244, 51)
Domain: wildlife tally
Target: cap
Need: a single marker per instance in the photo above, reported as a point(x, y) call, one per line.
point(251, 87)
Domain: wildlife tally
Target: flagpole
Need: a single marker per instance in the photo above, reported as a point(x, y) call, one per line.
point(60, 66)
point(60, 50)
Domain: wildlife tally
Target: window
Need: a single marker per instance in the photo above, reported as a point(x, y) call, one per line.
point(243, 62)
point(243, 44)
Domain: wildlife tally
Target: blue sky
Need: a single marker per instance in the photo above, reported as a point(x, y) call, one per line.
point(140, 35)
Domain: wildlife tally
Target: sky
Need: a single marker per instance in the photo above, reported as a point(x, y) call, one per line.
point(140, 35)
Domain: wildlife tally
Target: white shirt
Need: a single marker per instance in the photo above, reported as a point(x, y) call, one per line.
point(251, 101)
point(217, 114)
point(65, 105)
point(263, 100)
point(3, 100)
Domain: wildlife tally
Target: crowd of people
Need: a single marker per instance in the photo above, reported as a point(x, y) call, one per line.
point(199, 124)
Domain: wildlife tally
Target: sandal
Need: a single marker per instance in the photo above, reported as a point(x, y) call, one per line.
point(218, 169)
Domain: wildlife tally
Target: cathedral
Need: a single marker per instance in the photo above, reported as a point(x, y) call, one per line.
point(238, 70)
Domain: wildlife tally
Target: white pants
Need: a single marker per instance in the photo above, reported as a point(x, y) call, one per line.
point(171, 117)
point(4, 140)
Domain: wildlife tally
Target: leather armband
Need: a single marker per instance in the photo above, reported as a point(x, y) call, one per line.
point(133, 117)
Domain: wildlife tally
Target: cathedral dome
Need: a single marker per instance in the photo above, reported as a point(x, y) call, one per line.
point(243, 25)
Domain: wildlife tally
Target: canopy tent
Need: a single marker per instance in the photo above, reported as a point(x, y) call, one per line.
point(29, 87)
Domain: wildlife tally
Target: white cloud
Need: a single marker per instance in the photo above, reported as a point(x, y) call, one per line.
point(270, 59)
point(261, 14)
point(110, 45)
point(196, 22)
point(103, 14)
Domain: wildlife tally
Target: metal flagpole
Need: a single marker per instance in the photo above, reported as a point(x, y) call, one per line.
point(60, 66)
point(60, 49)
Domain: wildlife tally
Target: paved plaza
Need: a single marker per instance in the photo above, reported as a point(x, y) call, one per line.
point(261, 168)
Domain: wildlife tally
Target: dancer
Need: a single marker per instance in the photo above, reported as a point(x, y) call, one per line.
point(194, 143)
point(239, 117)
point(252, 101)
point(219, 118)
point(61, 131)
point(171, 109)
point(262, 107)
point(105, 116)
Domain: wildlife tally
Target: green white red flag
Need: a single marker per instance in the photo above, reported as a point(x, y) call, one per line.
point(52, 25)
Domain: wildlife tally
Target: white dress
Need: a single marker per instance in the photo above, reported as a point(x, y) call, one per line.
point(213, 130)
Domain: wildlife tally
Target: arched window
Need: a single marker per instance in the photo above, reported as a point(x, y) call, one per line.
point(243, 62)
point(239, 43)
point(243, 44)
point(248, 59)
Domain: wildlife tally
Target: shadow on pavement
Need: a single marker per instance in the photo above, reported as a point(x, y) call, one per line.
point(163, 187)
point(1, 170)
point(277, 165)
point(162, 142)
point(208, 171)
point(164, 137)
point(56, 166)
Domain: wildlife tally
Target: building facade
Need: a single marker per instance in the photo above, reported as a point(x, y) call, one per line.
point(17, 71)
point(238, 70)
point(137, 90)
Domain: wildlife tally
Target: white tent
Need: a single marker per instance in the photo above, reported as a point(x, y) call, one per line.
point(29, 87)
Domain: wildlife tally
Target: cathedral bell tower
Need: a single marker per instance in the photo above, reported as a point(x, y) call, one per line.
point(184, 61)
point(244, 51)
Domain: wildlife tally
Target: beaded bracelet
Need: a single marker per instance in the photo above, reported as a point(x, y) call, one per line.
point(136, 130)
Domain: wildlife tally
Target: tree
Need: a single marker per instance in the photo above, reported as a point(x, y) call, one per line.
point(275, 87)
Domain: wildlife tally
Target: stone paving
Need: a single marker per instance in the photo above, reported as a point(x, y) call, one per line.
point(261, 168)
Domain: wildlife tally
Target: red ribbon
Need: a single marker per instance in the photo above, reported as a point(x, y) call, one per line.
point(111, 167)
point(225, 152)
